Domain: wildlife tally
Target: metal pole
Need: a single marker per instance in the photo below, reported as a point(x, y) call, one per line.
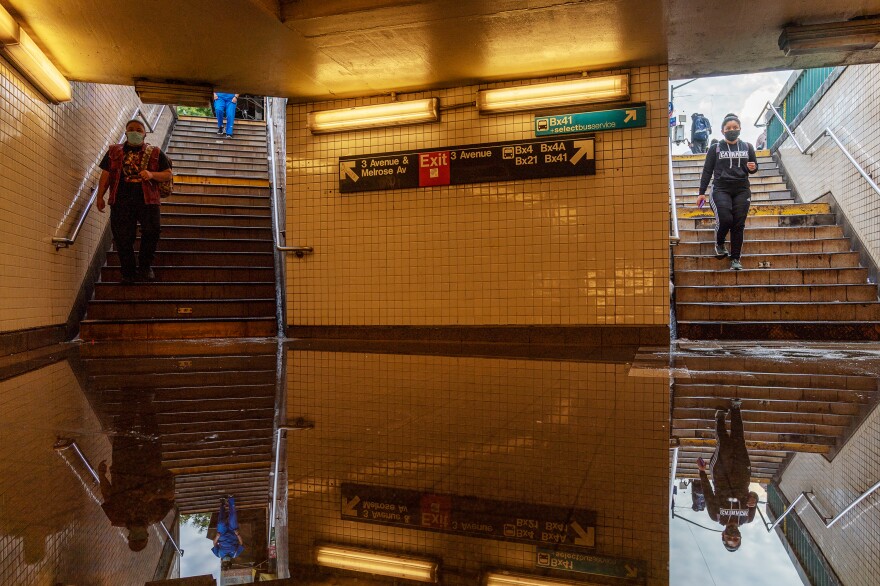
point(672, 475)
point(785, 513)
point(853, 504)
point(275, 478)
point(674, 238)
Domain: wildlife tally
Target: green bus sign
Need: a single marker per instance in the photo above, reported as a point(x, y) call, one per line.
point(596, 565)
point(619, 119)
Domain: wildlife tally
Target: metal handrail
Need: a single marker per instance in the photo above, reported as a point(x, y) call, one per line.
point(674, 238)
point(60, 243)
point(300, 251)
point(827, 521)
point(826, 132)
point(66, 443)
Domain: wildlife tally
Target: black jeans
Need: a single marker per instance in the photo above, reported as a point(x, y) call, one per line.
point(699, 145)
point(125, 214)
point(730, 465)
point(731, 207)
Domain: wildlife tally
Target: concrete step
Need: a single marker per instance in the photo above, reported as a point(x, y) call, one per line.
point(196, 274)
point(177, 329)
point(184, 166)
point(764, 434)
point(168, 380)
point(184, 140)
point(181, 309)
point(230, 172)
point(775, 294)
point(193, 189)
point(850, 409)
point(703, 417)
point(779, 330)
point(688, 197)
point(764, 170)
point(721, 276)
point(763, 221)
point(215, 245)
point(697, 161)
point(150, 365)
point(751, 260)
point(167, 397)
point(178, 206)
point(183, 291)
point(815, 245)
point(212, 131)
point(755, 233)
point(788, 375)
point(171, 230)
point(238, 221)
point(167, 258)
point(765, 181)
point(233, 158)
point(843, 311)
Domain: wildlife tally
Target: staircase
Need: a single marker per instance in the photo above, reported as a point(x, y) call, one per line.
point(214, 407)
point(801, 280)
point(788, 404)
point(214, 266)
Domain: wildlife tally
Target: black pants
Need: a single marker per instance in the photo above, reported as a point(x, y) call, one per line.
point(125, 215)
point(731, 466)
point(698, 146)
point(731, 207)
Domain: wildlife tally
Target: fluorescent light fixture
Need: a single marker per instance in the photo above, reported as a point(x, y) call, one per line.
point(391, 114)
point(850, 35)
point(511, 579)
point(549, 95)
point(383, 564)
point(30, 61)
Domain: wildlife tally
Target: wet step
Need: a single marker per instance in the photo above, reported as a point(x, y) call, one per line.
point(775, 293)
point(770, 246)
point(721, 276)
point(843, 311)
point(213, 245)
point(199, 274)
point(237, 220)
point(168, 380)
point(754, 233)
point(165, 258)
point(183, 291)
point(179, 206)
point(181, 309)
point(754, 260)
point(763, 221)
point(779, 330)
point(183, 362)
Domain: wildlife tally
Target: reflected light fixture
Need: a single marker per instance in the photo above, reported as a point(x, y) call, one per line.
point(511, 579)
point(371, 562)
point(851, 35)
point(586, 90)
point(390, 114)
point(30, 61)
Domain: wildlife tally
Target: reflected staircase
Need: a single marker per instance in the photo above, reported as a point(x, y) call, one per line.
point(214, 266)
point(810, 405)
point(801, 279)
point(214, 406)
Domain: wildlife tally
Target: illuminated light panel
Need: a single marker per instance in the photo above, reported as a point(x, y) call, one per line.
point(509, 579)
point(31, 62)
point(548, 95)
point(383, 564)
point(391, 114)
point(8, 28)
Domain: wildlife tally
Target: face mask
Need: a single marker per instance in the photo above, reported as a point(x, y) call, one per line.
point(731, 135)
point(134, 137)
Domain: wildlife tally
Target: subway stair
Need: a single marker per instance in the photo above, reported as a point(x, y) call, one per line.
point(789, 405)
point(801, 279)
point(214, 407)
point(214, 266)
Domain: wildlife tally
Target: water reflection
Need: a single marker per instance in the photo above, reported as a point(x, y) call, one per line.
point(546, 462)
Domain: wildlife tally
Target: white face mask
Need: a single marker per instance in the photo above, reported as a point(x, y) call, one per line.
point(134, 137)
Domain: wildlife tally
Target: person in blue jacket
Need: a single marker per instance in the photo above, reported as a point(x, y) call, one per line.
point(228, 543)
point(224, 107)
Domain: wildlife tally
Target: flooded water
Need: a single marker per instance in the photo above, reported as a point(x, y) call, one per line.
point(461, 464)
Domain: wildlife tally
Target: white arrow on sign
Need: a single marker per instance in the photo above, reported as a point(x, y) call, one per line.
point(584, 148)
point(349, 505)
point(583, 538)
point(346, 169)
point(630, 115)
point(631, 571)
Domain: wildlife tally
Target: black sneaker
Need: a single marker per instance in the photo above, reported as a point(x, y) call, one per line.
point(147, 274)
point(127, 280)
point(220, 131)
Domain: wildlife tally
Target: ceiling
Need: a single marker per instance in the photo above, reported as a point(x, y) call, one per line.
point(316, 49)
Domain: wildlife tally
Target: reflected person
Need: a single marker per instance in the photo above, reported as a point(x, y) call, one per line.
point(728, 498)
point(141, 491)
point(228, 543)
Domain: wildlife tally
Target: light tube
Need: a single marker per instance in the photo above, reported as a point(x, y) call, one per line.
point(391, 114)
point(548, 95)
point(31, 62)
point(510, 579)
point(383, 564)
point(851, 35)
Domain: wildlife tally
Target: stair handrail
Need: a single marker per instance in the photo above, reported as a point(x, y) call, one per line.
point(826, 132)
point(828, 522)
point(60, 243)
point(300, 251)
point(674, 237)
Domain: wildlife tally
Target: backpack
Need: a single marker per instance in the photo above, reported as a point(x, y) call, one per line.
point(151, 159)
point(701, 128)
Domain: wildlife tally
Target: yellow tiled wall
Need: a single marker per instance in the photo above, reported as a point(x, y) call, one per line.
point(562, 251)
point(52, 529)
point(560, 433)
point(850, 109)
point(46, 152)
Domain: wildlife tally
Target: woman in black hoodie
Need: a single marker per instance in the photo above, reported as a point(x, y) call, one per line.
point(729, 164)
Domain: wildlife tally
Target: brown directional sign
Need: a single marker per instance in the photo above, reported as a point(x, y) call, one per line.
point(501, 161)
point(463, 515)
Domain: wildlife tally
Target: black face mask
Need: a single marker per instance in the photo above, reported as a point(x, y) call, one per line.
point(731, 135)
